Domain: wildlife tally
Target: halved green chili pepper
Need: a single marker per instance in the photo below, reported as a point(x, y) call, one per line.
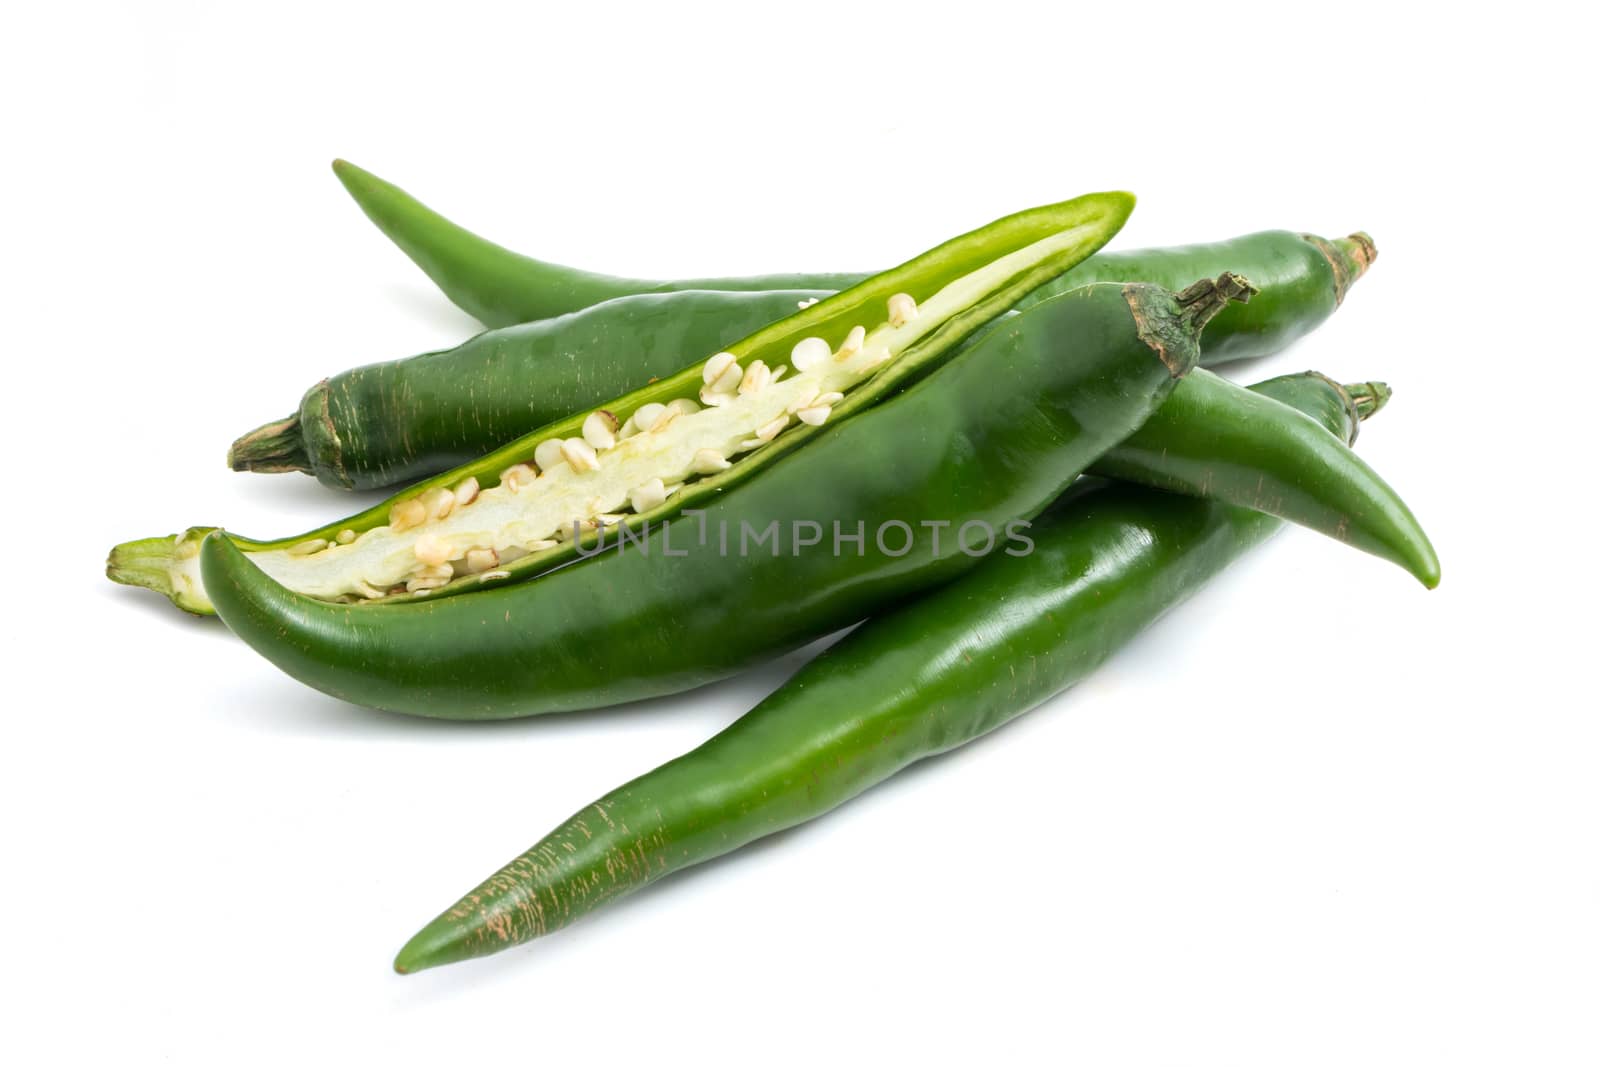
point(924, 678)
point(984, 442)
point(499, 287)
point(657, 450)
point(387, 423)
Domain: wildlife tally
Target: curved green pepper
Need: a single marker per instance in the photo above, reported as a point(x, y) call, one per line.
point(498, 287)
point(388, 423)
point(1215, 440)
point(1302, 277)
point(922, 679)
point(984, 442)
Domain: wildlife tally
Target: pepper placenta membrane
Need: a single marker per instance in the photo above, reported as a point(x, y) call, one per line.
point(986, 441)
point(388, 423)
point(524, 508)
point(924, 678)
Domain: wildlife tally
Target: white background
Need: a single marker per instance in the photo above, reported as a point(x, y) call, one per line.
point(1316, 816)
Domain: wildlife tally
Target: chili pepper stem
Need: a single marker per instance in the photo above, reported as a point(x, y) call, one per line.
point(145, 563)
point(1369, 397)
point(1202, 300)
point(1364, 400)
point(1197, 305)
point(1348, 256)
point(273, 448)
point(168, 565)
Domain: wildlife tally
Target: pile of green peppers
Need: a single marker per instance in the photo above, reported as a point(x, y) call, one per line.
point(1024, 465)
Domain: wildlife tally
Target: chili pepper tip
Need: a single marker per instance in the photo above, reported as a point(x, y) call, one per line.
point(437, 943)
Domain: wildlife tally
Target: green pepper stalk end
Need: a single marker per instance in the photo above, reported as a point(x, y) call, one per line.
point(1202, 300)
point(307, 442)
point(168, 565)
point(1348, 256)
point(273, 448)
point(1364, 399)
point(1369, 397)
point(1171, 336)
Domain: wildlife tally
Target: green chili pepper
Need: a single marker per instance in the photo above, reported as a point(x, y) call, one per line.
point(1309, 274)
point(1214, 439)
point(984, 442)
point(388, 423)
point(925, 678)
point(501, 288)
point(656, 451)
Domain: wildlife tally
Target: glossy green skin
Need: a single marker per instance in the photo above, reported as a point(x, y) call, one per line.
point(499, 287)
point(993, 436)
point(1213, 439)
point(389, 423)
point(928, 677)
point(1302, 278)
